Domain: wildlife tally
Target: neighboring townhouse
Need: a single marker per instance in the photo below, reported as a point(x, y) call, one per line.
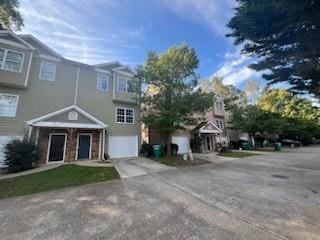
point(211, 130)
point(72, 110)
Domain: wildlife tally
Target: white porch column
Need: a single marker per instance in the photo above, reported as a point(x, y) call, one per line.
point(103, 142)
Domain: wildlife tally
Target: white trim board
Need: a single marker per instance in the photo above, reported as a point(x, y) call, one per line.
point(64, 149)
point(63, 110)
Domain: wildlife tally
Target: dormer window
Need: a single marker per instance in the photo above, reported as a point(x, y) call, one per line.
point(48, 71)
point(125, 84)
point(11, 60)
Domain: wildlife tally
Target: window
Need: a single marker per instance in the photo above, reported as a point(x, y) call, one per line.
point(125, 85)
point(103, 82)
point(11, 60)
point(48, 71)
point(219, 105)
point(220, 124)
point(8, 105)
point(125, 115)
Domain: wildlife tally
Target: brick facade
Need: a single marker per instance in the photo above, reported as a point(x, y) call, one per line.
point(71, 144)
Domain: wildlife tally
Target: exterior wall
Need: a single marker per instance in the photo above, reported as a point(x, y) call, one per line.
point(15, 79)
point(41, 97)
point(71, 146)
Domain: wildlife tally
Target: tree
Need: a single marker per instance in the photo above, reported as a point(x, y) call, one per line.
point(303, 119)
point(229, 93)
point(174, 99)
point(10, 17)
point(284, 36)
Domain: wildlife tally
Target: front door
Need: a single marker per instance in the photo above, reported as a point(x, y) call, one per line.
point(84, 146)
point(56, 150)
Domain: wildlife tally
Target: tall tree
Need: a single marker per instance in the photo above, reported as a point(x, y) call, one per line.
point(173, 100)
point(10, 17)
point(229, 93)
point(284, 36)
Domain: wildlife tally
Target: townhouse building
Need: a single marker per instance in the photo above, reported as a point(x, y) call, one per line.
point(71, 110)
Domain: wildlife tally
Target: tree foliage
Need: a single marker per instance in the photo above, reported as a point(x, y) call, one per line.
point(284, 36)
point(229, 93)
point(171, 99)
point(10, 17)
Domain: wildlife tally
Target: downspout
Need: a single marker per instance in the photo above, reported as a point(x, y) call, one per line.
point(77, 86)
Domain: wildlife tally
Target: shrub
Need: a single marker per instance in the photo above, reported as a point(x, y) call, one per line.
point(174, 149)
point(20, 155)
point(106, 156)
point(146, 150)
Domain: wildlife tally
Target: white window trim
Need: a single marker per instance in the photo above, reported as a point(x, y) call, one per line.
point(16, 106)
point(64, 149)
point(107, 78)
point(125, 122)
point(54, 75)
point(127, 79)
point(4, 60)
point(90, 149)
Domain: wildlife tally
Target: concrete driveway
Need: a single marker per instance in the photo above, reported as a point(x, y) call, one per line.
point(137, 166)
point(274, 196)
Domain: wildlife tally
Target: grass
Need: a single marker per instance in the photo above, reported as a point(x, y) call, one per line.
point(60, 177)
point(177, 161)
point(237, 154)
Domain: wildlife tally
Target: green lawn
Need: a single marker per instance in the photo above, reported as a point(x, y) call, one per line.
point(60, 177)
point(177, 161)
point(237, 154)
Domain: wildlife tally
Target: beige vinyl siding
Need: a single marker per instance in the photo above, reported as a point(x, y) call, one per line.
point(15, 79)
point(40, 97)
point(100, 104)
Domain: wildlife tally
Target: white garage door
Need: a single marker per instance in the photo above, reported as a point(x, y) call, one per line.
point(124, 146)
point(183, 142)
point(3, 141)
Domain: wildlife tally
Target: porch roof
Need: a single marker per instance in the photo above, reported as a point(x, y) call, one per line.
point(44, 121)
point(207, 127)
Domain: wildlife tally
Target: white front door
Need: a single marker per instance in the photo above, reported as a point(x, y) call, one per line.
point(123, 146)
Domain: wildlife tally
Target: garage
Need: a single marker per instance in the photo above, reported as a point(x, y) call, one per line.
point(183, 143)
point(123, 146)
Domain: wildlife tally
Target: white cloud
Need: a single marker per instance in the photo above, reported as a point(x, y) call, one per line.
point(72, 29)
point(235, 68)
point(215, 13)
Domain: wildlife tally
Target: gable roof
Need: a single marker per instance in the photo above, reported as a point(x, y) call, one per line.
point(17, 38)
point(29, 36)
point(115, 66)
point(40, 121)
point(207, 127)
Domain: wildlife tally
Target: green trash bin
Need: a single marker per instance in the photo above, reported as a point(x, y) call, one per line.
point(245, 146)
point(277, 146)
point(157, 151)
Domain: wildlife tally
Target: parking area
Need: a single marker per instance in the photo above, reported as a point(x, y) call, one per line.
point(272, 196)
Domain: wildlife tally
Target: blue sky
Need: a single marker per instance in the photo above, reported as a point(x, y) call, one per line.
point(95, 31)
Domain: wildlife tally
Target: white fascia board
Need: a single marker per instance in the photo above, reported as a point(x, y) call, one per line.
point(41, 44)
point(209, 122)
point(63, 110)
point(68, 125)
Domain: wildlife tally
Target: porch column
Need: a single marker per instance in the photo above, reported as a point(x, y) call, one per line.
point(103, 142)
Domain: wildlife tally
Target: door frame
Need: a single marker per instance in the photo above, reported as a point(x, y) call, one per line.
point(77, 148)
point(64, 147)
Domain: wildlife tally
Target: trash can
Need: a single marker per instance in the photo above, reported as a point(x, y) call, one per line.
point(157, 151)
point(245, 146)
point(277, 146)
